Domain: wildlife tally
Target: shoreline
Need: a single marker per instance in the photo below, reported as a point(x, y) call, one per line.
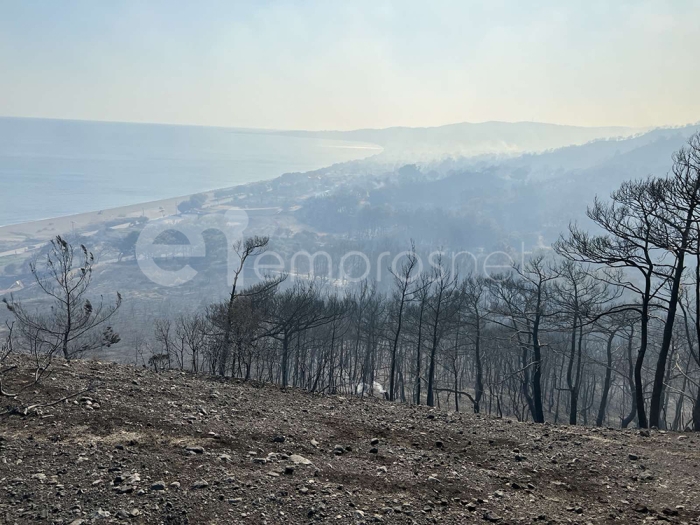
point(43, 160)
point(46, 229)
point(23, 237)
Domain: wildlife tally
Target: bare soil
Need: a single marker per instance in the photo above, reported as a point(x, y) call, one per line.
point(174, 448)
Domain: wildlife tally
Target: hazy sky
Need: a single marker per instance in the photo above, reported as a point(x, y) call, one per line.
point(351, 64)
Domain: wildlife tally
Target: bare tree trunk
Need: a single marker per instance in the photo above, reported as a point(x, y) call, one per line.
point(606, 383)
point(630, 377)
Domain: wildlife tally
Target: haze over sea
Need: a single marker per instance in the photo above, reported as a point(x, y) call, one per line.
point(53, 168)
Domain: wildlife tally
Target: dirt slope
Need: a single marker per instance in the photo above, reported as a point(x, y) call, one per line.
point(172, 448)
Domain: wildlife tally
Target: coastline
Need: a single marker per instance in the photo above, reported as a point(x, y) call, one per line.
point(46, 229)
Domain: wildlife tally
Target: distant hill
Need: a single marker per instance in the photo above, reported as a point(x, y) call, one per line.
point(472, 139)
point(650, 151)
point(478, 201)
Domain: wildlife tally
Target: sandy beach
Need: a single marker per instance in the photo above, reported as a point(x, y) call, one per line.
point(16, 237)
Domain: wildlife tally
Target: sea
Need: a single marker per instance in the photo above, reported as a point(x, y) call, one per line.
point(53, 168)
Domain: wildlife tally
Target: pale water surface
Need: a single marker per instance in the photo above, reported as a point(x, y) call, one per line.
point(52, 168)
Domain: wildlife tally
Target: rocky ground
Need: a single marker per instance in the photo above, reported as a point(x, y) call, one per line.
point(171, 448)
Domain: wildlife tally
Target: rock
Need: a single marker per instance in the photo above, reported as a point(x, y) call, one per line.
point(158, 485)
point(201, 484)
point(175, 485)
point(359, 515)
point(299, 460)
point(314, 443)
point(374, 451)
point(339, 450)
point(100, 514)
point(195, 450)
point(278, 439)
point(374, 442)
point(132, 478)
point(633, 457)
point(489, 516)
point(289, 471)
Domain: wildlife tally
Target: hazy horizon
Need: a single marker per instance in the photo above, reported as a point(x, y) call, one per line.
point(272, 130)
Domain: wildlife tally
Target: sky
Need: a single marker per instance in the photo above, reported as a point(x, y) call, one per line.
point(352, 64)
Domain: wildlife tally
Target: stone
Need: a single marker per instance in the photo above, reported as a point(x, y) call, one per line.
point(100, 514)
point(299, 460)
point(132, 478)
